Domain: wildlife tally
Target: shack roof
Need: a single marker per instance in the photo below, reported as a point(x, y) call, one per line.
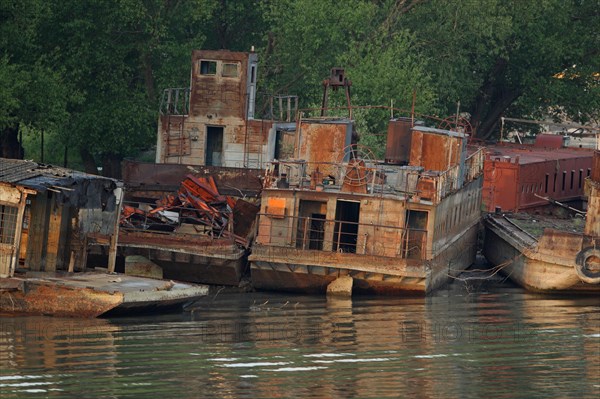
point(529, 154)
point(41, 177)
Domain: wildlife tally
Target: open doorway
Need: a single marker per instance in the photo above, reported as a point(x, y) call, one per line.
point(345, 231)
point(311, 225)
point(284, 145)
point(415, 238)
point(214, 146)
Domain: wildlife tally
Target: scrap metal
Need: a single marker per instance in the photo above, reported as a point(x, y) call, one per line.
point(197, 203)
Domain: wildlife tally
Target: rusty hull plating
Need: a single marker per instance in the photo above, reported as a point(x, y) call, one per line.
point(559, 260)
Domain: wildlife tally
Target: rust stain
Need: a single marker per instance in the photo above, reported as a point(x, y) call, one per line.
point(399, 135)
point(57, 300)
point(215, 94)
point(323, 143)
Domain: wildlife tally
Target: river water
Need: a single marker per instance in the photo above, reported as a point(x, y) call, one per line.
point(490, 340)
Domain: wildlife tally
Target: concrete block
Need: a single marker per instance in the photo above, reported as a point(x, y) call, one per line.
point(141, 266)
point(341, 286)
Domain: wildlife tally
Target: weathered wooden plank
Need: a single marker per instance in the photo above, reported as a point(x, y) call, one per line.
point(54, 234)
point(38, 233)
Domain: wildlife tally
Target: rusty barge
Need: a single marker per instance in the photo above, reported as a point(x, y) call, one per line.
point(405, 225)
point(49, 219)
point(208, 130)
point(545, 253)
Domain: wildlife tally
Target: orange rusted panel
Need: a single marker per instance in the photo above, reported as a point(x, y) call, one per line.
point(500, 185)
point(596, 167)
point(397, 150)
point(426, 189)
point(276, 207)
point(324, 142)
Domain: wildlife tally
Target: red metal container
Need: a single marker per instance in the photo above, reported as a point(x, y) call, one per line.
point(397, 150)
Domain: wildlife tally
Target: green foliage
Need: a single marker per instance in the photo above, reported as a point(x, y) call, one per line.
point(501, 57)
point(91, 73)
point(306, 38)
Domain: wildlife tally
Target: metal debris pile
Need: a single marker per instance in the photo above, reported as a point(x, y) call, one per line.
point(196, 208)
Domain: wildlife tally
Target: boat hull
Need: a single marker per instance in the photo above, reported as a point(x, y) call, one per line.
point(89, 295)
point(186, 258)
point(310, 271)
point(545, 265)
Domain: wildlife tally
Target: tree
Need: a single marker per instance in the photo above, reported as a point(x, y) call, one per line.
point(116, 55)
point(502, 57)
point(306, 39)
point(32, 94)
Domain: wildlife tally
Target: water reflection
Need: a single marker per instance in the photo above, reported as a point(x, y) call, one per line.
point(496, 341)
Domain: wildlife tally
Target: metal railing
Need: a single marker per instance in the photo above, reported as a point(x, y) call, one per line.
point(313, 233)
point(372, 175)
point(175, 101)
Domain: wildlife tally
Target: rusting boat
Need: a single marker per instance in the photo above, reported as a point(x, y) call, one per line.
point(49, 219)
point(208, 130)
point(194, 234)
point(403, 225)
point(562, 258)
point(92, 294)
point(524, 177)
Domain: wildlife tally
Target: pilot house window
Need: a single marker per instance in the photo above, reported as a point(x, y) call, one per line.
point(230, 70)
point(208, 67)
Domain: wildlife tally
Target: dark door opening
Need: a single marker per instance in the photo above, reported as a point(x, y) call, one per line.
point(345, 233)
point(284, 145)
point(415, 235)
point(311, 225)
point(214, 145)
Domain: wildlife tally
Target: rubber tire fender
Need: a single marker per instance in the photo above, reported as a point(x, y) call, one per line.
point(584, 274)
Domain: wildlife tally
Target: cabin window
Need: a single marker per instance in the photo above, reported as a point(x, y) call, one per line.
point(554, 189)
point(8, 224)
point(208, 67)
point(230, 70)
point(345, 232)
point(253, 74)
point(580, 177)
point(572, 178)
point(564, 180)
point(588, 172)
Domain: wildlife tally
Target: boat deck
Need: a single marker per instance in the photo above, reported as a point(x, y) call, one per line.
point(91, 294)
point(536, 224)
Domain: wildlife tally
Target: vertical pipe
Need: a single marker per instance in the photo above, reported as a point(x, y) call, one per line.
point(305, 233)
point(412, 108)
point(112, 251)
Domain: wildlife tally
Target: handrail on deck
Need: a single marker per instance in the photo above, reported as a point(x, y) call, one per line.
point(331, 235)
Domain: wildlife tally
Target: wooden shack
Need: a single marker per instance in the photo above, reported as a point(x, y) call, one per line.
point(49, 216)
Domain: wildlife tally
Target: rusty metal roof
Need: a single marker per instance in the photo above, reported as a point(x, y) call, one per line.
point(528, 153)
point(39, 176)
